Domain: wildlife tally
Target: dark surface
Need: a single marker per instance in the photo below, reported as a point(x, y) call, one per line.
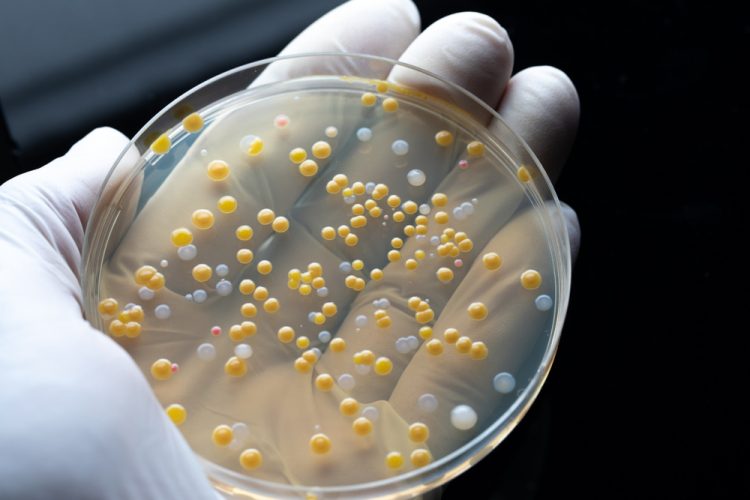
point(70, 66)
point(645, 398)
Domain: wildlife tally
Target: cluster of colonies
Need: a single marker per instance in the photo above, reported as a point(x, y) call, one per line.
point(369, 202)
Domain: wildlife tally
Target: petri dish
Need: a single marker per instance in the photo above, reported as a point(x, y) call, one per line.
point(342, 275)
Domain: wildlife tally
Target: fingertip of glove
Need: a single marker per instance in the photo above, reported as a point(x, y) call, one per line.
point(101, 138)
point(480, 32)
point(573, 227)
point(557, 85)
point(409, 11)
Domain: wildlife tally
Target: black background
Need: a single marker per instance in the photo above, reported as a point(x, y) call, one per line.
point(647, 395)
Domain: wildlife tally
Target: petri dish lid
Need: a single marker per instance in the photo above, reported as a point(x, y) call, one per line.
point(487, 255)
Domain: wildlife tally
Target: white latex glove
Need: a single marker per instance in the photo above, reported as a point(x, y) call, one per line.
point(77, 417)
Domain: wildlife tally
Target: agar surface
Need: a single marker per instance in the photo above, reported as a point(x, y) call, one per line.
point(332, 287)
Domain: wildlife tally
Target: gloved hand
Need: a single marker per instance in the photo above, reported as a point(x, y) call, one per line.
point(77, 417)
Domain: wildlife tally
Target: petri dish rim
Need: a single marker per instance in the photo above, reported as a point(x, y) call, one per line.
point(540, 192)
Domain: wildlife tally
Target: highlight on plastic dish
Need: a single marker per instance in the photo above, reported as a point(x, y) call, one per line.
point(337, 285)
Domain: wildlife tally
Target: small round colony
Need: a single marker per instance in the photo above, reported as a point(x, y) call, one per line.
point(308, 168)
point(531, 279)
point(523, 174)
point(504, 383)
point(202, 273)
point(181, 237)
point(108, 308)
point(297, 155)
point(368, 99)
point(427, 402)
point(362, 426)
point(248, 329)
point(463, 345)
point(218, 170)
point(463, 417)
point(203, 219)
point(243, 351)
point(418, 432)
point(206, 352)
point(324, 382)
point(400, 147)
point(543, 302)
point(477, 311)
point(235, 367)
point(254, 146)
point(331, 131)
point(251, 459)
point(451, 335)
point(162, 311)
point(247, 287)
point(321, 150)
point(320, 444)
point(338, 345)
point(444, 138)
point(161, 145)
point(349, 407)
point(416, 177)
point(244, 233)
point(265, 267)
point(281, 121)
point(492, 261)
point(177, 413)
point(192, 123)
point(394, 460)
point(266, 216)
point(227, 204)
point(420, 457)
point(248, 310)
point(475, 148)
point(444, 274)
point(390, 105)
point(425, 332)
point(434, 347)
point(285, 334)
point(222, 435)
point(383, 366)
point(364, 134)
point(478, 350)
point(187, 252)
point(161, 369)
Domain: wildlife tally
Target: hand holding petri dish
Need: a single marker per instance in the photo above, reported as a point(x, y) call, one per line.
point(336, 284)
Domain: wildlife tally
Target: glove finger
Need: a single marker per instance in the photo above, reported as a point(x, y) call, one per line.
point(541, 105)
point(469, 49)
point(350, 28)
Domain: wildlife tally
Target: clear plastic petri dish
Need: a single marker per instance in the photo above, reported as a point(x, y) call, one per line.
point(343, 276)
